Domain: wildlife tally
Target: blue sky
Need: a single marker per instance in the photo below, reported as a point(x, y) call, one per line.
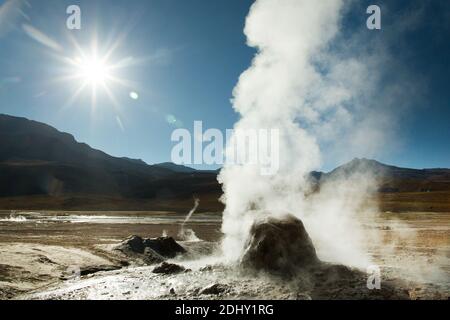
point(187, 57)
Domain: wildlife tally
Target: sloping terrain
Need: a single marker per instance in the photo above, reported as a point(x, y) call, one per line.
point(402, 189)
point(42, 168)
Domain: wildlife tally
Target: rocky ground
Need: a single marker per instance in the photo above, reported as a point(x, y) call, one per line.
point(216, 282)
point(207, 279)
point(111, 269)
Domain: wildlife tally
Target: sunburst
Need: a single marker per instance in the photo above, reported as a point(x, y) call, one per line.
point(96, 73)
point(93, 70)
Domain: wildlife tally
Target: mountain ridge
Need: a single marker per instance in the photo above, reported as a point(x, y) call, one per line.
point(41, 167)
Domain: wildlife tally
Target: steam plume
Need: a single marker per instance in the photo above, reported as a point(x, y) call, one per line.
point(298, 86)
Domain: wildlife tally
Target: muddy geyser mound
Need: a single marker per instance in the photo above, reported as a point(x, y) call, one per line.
point(282, 247)
point(279, 246)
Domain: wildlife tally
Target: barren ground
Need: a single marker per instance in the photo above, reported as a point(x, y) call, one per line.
point(39, 252)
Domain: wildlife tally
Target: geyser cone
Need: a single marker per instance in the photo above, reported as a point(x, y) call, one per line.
point(279, 246)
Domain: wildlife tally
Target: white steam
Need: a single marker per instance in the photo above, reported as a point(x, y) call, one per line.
point(189, 234)
point(296, 84)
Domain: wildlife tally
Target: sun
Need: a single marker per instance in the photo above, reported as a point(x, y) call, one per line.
point(97, 71)
point(92, 70)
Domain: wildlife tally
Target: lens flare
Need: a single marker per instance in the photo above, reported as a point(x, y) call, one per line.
point(134, 95)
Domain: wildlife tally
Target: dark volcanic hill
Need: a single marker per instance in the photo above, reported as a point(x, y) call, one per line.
point(43, 168)
point(400, 189)
point(395, 179)
point(41, 163)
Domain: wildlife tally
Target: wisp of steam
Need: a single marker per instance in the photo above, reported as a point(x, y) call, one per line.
point(189, 234)
point(296, 84)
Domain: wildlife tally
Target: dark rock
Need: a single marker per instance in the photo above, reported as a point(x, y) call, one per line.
point(151, 250)
point(165, 246)
point(152, 257)
point(216, 289)
point(124, 263)
point(206, 268)
point(88, 270)
point(94, 269)
point(132, 244)
point(280, 246)
point(168, 268)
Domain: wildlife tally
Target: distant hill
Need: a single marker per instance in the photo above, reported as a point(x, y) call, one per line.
point(395, 179)
point(24, 140)
point(43, 168)
point(400, 189)
point(175, 167)
point(38, 161)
